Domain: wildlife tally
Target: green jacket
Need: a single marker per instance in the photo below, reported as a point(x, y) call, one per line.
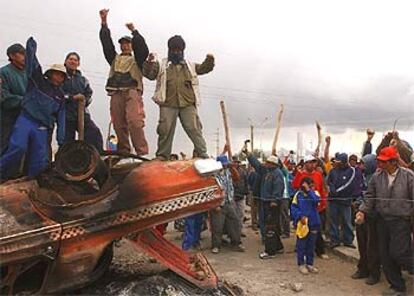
point(13, 88)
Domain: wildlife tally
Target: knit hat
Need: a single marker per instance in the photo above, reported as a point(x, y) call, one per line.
point(176, 42)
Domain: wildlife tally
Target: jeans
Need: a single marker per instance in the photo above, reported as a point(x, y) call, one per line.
point(28, 138)
point(340, 215)
point(192, 231)
point(305, 248)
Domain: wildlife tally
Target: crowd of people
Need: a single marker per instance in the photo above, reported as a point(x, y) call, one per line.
point(324, 198)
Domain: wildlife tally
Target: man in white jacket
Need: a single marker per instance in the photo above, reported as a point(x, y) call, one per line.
point(177, 93)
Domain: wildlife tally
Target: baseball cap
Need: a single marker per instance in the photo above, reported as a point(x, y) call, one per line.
point(341, 157)
point(388, 153)
point(309, 158)
point(125, 38)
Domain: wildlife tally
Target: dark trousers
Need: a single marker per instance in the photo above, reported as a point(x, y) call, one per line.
point(284, 216)
point(396, 249)
point(93, 135)
point(272, 229)
point(320, 243)
point(369, 257)
point(305, 248)
point(6, 128)
point(340, 215)
point(225, 219)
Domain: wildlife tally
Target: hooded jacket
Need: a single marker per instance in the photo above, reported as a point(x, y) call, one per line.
point(341, 183)
point(305, 204)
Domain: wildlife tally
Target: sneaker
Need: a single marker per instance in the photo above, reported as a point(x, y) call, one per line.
point(264, 255)
point(324, 256)
point(359, 275)
point(392, 292)
point(352, 246)
point(312, 269)
point(215, 250)
point(238, 248)
point(372, 280)
point(303, 269)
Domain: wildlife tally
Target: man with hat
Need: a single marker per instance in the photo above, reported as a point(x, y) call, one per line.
point(13, 87)
point(310, 171)
point(178, 95)
point(391, 195)
point(241, 189)
point(271, 192)
point(341, 183)
point(42, 106)
point(125, 86)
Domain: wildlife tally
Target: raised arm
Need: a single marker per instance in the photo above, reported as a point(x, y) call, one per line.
point(32, 65)
point(151, 67)
point(206, 66)
point(105, 37)
point(326, 150)
point(138, 45)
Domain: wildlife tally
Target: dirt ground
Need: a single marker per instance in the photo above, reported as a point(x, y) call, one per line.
point(254, 276)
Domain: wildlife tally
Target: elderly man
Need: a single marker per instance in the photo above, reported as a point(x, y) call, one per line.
point(125, 86)
point(42, 106)
point(391, 194)
point(13, 87)
point(341, 182)
point(178, 95)
point(271, 193)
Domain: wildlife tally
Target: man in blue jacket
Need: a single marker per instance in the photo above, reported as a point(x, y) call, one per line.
point(271, 192)
point(77, 88)
point(42, 106)
point(341, 183)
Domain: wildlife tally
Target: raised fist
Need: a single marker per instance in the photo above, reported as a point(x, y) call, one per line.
point(130, 26)
point(103, 13)
point(210, 56)
point(328, 139)
point(151, 57)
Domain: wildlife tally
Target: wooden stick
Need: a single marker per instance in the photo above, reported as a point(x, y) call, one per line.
point(226, 129)
point(278, 127)
point(319, 129)
point(81, 120)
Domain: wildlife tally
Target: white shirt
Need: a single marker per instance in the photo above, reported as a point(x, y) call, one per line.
point(391, 178)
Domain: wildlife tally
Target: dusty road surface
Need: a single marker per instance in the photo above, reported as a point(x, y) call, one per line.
point(133, 273)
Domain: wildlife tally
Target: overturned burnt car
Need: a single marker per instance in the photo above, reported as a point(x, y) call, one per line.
point(57, 231)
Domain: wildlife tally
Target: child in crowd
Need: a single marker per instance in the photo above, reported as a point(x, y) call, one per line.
point(304, 212)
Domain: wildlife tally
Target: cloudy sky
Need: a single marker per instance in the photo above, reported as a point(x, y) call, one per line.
point(348, 64)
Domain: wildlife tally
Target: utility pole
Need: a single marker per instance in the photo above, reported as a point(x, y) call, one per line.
point(251, 137)
point(217, 140)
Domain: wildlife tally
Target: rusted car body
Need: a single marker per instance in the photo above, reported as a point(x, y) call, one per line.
point(55, 239)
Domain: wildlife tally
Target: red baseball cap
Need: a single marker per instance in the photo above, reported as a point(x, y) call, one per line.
point(388, 153)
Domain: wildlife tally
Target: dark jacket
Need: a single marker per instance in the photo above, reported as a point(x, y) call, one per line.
point(43, 101)
point(305, 204)
point(76, 84)
point(272, 184)
point(241, 188)
point(394, 201)
point(341, 183)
